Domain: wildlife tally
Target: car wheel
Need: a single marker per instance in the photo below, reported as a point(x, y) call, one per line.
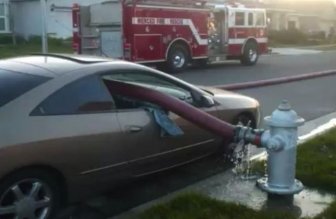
point(28, 195)
point(178, 59)
point(250, 55)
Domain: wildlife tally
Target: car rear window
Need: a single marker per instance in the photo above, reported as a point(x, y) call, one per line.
point(14, 84)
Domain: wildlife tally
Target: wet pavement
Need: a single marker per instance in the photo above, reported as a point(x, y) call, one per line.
point(229, 187)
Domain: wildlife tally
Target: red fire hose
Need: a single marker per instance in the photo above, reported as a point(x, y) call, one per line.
point(185, 110)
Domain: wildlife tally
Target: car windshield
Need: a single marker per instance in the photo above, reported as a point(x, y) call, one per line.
point(14, 84)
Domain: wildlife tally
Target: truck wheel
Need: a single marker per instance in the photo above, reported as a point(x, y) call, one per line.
point(29, 194)
point(178, 59)
point(250, 55)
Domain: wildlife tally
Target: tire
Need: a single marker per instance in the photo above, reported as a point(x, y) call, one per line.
point(250, 55)
point(29, 194)
point(178, 59)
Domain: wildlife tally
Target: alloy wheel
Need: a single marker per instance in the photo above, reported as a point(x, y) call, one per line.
point(26, 199)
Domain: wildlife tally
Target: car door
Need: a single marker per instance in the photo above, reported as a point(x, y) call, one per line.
point(157, 151)
point(82, 132)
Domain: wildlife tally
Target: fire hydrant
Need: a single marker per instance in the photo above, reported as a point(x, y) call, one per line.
point(280, 142)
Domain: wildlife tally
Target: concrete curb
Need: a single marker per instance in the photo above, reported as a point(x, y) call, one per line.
point(310, 129)
point(276, 81)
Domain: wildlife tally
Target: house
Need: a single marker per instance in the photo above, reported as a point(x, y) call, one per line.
point(309, 16)
point(282, 19)
point(24, 17)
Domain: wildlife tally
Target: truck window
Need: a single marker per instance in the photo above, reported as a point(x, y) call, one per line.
point(250, 19)
point(240, 19)
point(260, 19)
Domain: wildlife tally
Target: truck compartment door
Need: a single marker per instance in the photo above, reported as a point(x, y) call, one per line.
point(111, 43)
point(148, 47)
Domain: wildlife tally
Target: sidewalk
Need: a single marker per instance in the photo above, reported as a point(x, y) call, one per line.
point(333, 45)
point(302, 50)
point(225, 186)
point(294, 51)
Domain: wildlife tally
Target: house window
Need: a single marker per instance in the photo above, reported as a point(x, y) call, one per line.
point(3, 17)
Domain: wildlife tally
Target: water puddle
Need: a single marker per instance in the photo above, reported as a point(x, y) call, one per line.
point(231, 187)
point(239, 186)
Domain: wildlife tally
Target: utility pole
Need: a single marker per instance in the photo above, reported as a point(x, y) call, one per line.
point(44, 35)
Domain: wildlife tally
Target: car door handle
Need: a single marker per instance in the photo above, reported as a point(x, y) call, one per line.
point(133, 129)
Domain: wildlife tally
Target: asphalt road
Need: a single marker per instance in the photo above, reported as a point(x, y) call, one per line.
point(310, 98)
point(269, 66)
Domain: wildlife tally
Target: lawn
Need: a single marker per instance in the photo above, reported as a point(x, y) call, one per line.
point(316, 168)
point(198, 206)
point(25, 48)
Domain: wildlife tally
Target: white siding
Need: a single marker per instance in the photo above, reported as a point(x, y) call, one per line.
point(27, 17)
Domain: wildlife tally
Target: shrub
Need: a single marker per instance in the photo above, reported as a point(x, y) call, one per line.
point(293, 36)
point(6, 39)
point(33, 39)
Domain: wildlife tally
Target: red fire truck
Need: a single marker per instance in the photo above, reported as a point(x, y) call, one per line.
point(171, 32)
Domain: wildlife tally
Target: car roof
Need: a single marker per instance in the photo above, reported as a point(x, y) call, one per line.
point(50, 65)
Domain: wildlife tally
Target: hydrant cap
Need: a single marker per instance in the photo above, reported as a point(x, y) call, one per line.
point(284, 105)
point(284, 116)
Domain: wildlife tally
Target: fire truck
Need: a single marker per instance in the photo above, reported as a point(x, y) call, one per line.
point(171, 33)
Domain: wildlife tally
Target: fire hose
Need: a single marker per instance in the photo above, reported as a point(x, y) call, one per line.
point(194, 115)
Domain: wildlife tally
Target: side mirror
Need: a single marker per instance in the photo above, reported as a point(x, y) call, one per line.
point(207, 101)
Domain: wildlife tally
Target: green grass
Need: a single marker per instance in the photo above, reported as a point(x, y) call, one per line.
point(316, 162)
point(329, 213)
point(198, 206)
point(316, 168)
point(9, 50)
